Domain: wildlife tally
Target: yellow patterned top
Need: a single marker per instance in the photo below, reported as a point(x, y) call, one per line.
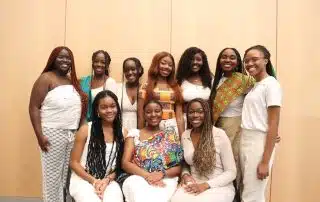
point(164, 95)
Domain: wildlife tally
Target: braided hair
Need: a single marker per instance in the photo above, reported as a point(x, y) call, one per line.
point(73, 75)
point(204, 157)
point(106, 57)
point(140, 73)
point(96, 164)
point(267, 55)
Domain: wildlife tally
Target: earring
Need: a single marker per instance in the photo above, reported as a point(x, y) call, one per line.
point(98, 115)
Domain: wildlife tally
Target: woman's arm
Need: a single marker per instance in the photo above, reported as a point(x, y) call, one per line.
point(229, 166)
point(80, 141)
point(140, 113)
point(127, 164)
point(179, 118)
point(273, 125)
point(39, 91)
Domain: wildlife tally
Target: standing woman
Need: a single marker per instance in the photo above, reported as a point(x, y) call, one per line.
point(56, 107)
point(210, 168)
point(194, 75)
point(128, 92)
point(161, 86)
point(97, 152)
point(227, 95)
point(99, 80)
point(153, 158)
point(260, 122)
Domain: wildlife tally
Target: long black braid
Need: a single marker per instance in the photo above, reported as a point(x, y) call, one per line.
point(267, 55)
point(96, 164)
point(219, 72)
point(140, 73)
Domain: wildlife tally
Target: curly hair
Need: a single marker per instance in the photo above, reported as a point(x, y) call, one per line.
point(185, 64)
point(204, 157)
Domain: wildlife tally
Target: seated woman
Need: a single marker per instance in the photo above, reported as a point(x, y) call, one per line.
point(210, 167)
point(153, 158)
point(97, 152)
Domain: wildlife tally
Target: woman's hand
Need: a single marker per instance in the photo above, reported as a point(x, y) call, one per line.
point(154, 177)
point(196, 188)
point(262, 171)
point(100, 186)
point(44, 143)
point(187, 179)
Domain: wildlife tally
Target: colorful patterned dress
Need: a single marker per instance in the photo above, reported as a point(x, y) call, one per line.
point(161, 151)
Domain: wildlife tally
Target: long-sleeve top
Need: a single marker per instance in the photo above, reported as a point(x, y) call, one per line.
point(225, 169)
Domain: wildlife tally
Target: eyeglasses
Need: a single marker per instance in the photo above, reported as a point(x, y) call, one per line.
point(253, 59)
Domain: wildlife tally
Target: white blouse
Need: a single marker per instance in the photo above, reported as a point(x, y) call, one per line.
point(191, 91)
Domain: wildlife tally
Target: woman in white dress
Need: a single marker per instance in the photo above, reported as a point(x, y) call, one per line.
point(194, 75)
point(128, 92)
point(97, 152)
point(99, 80)
point(209, 164)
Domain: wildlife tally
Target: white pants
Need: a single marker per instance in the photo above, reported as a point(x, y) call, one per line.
point(251, 151)
point(169, 123)
point(83, 191)
point(137, 189)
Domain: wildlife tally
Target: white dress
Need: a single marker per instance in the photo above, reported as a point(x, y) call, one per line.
point(191, 91)
point(129, 110)
point(82, 191)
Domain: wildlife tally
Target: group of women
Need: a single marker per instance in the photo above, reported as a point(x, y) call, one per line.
point(184, 135)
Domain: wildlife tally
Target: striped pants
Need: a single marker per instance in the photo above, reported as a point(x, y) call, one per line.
point(55, 163)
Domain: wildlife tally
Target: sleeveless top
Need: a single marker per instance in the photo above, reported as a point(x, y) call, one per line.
point(61, 108)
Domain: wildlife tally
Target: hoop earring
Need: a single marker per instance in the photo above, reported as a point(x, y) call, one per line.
point(98, 115)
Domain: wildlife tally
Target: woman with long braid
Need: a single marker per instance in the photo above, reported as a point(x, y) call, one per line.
point(56, 107)
point(260, 123)
point(128, 92)
point(97, 152)
point(99, 80)
point(209, 164)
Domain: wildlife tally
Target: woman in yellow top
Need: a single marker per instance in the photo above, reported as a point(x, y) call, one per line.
point(162, 86)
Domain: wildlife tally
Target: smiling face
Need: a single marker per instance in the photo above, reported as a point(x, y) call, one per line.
point(196, 114)
point(153, 114)
point(228, 60)
point(255, 63)
point(165, 66)
point(99, 64)
point(130, 70)
point(197, 63)
point(107, 109)
point(63, 62)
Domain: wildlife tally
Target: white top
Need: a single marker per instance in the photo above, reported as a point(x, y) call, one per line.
point(110, 84)
point(113, 155)
point(264, 94)
point(61, 108)
point(234, 109)
point(225, 168)
point(191, 91)
point(129, 111)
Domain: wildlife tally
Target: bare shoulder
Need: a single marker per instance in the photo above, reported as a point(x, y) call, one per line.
point(82, 133)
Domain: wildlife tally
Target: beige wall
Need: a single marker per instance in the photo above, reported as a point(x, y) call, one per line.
point(31, 29)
